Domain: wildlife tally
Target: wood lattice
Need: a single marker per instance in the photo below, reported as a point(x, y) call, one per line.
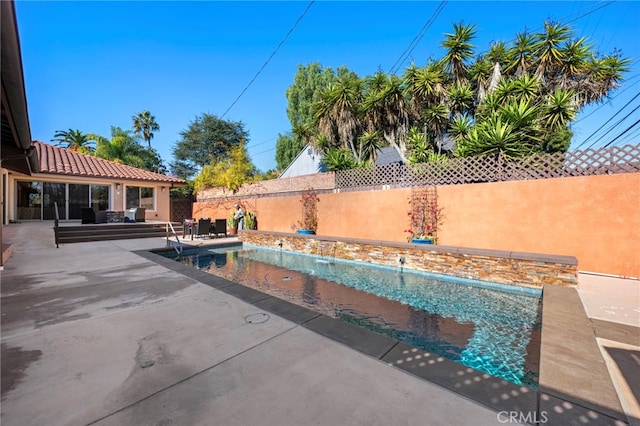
point(455, 171)
point(181, 209)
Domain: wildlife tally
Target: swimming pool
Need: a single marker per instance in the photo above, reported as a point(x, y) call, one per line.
point(492, 328)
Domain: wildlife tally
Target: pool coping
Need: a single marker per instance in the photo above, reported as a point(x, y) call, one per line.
point(548, 405)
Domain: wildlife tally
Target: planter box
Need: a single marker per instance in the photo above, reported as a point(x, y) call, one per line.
point(305, 232)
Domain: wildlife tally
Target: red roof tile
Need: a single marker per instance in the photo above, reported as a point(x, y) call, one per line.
point(61, 161)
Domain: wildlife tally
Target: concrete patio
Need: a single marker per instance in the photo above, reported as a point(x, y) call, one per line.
point(107, 333)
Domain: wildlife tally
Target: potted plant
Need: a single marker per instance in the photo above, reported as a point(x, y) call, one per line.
point(250, 221)
point(309, 222)
point(424, 216)
point(232, 225)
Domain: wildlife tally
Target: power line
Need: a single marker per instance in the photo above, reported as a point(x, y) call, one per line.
point(589, 12)
point(416, 39)
point(614, 125)
point(261, 143)
point(607, 122)
point(623, 132)
point(270, 57)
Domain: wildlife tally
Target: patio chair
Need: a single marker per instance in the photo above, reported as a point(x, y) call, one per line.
point(203, 228)
point(219, 227)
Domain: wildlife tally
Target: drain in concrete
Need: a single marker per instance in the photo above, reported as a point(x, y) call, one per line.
point(256, 318)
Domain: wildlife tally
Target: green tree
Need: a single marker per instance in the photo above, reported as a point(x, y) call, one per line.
point(124, 148)
point(384, 110)
point(305, 90)
point(302, 95)
point(207, 140)
point(459, 51)
point(339, 159)
point(145, 124)
point(230, 172)
point(74, 140)
point(337, 112)
point(287, 149)
point(515, 99)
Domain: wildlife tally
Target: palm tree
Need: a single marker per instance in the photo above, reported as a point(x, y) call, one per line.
point(384, 109)
point(336, 113)
point(480, 77)
point(461, 99)
point(74, 140)
point(549, 51)
point(521, 55)
point(145, 124)
point(559, 109)
point(460, 127)
point(459, 51)
point(436, 119)
point(370, 143)
point(125, 148)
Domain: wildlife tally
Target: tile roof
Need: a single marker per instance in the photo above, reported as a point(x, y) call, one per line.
point(60, 161)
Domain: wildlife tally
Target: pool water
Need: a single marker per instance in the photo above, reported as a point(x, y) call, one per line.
point(487, 327)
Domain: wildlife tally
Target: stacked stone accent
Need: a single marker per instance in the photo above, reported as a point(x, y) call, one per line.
point(505, 267)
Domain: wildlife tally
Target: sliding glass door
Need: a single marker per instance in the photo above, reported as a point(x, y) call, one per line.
point(35, 200)
point(52, 193)
point(29, 197)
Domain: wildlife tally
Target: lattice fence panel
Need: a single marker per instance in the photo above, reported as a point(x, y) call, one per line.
point(455, 171)
point(181, 209)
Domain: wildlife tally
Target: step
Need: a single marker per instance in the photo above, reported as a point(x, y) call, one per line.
point(109, 232)
point(110, 237)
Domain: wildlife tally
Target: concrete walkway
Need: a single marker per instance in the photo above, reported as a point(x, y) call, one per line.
point(95, 333)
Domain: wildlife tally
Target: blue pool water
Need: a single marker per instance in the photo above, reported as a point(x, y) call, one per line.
point(490, 327)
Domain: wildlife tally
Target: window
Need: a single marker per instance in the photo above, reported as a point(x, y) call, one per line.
point(140, 197)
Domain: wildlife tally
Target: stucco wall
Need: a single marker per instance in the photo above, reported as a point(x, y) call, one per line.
point(595, 218)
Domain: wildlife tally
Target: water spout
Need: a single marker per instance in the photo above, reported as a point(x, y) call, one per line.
point(402, 261)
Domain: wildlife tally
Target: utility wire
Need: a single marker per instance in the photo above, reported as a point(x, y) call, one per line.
point(270, 57)
point(625, 131)
point(414, 43)
point(605, 123)
point(614, 125)
point(590, 12)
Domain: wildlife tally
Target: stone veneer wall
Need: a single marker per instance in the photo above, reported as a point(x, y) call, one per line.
point(513, 268)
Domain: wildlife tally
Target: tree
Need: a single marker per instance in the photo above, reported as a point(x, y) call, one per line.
point(145, 124)
point(287, 149)
point(384, 110)
point(459, 51)
point(308, 84)
point(124, 148)
point(517, 98)
point(74, 140)
point(305, 90)
point(337, 112)
point(207, 140)
point(230, 172)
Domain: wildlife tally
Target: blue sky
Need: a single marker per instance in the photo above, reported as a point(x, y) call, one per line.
point(90, 65)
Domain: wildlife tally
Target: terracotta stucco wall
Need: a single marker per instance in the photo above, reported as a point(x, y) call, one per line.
point(595, 218)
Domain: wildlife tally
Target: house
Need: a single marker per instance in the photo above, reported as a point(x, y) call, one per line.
point(74, 181)
point(307, 162)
